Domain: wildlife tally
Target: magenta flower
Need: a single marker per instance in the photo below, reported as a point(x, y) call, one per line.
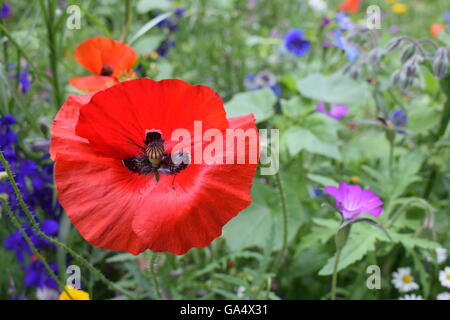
point(353, 201)
point(335, 111)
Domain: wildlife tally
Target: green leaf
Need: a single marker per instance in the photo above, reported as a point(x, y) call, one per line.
point(423, 118)
point(263, 219)
point(409, 241)
point(148, 44)
point(121, 257)
point(298, 139)
point(296, 107)
point(322, 180)
point(259, 102)
point(144, 6)
point(357, 247)
point(148, 26)
point(335, 88)
point(317, 235)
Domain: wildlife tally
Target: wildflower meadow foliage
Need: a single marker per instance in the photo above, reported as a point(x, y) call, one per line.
point(239, 149)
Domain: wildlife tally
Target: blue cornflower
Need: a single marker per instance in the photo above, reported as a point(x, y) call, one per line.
point(276, 89)
point(5, 11)
point(263, 79)
point(295, 43)
point(399, 120)
point(447, 16)
point(250, 81)
point(349, 49)
point(25, 81)
point(316, 192)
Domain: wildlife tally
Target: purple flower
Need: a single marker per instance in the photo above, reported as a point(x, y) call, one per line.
point(37, 276)
point(179, 12)
point(8, 120)
point(353, 201)
point(447, 16)
point(295, 43)
point(394, 29)
point(4, 11)
point(349, 49)
point(399, 118)
point(343, 21)
point(265, 78)
point(164, 47)
point(335, 111)
point(25, 81)
point(325, 22)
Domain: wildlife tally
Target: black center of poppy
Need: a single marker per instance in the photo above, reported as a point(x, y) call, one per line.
point(106, 70)
point(153, 159)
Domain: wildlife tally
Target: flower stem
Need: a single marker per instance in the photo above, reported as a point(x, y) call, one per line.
point(335, 273)
point(153, 260)
point(341, 239)
point(445, 118)
point(35, 225)
point(49, 17)
point(285, 218)
point(127, 21)
point(33, 248)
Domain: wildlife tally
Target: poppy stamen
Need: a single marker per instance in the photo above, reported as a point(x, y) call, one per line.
point(106, 70)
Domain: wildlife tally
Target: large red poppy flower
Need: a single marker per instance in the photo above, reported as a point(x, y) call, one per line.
point(108, 59)
point(350, 6)
point(104, 145)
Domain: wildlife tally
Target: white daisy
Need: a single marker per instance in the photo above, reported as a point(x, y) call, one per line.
point(443, 296)
point(441, 255)
point(444, 277)
point(403, 280)
point(411, 297)
point(318, 5)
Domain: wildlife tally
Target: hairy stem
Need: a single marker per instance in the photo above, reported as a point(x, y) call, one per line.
point(33, 248)
point(285, 219)
point(35, 225)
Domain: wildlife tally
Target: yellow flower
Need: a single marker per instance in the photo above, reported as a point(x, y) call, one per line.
point(391, 1)
point(399, 8)
point(355, 179)
point(76, 294)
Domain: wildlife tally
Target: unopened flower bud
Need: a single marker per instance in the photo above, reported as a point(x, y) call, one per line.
point(395, 77)
point(440, 63)
point(411, 67)
point(375, 58)
point(393, 44)
point(355, 72)
point(408, 52)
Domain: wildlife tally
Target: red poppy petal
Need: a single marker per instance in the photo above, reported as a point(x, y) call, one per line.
point(89, 187)
point(351, 6)
point(64, 139)
point(125, 111)
point(92, 83)
point(94, 53)
point(189, 209)
point(88, 182)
